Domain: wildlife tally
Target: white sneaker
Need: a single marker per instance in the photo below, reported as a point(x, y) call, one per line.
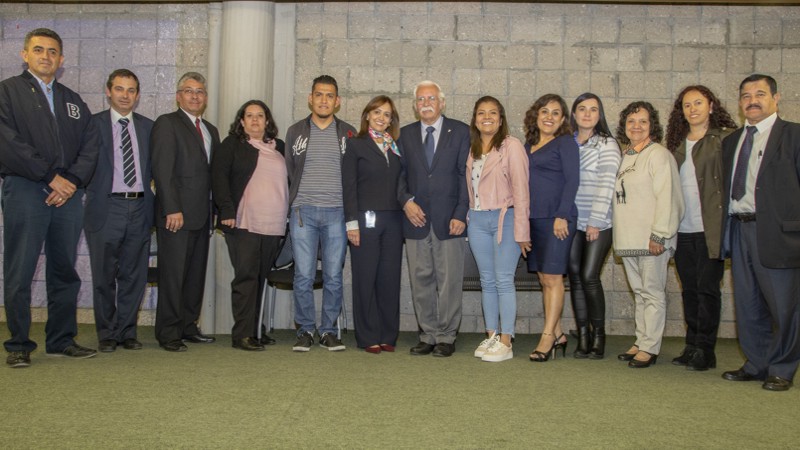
point(485, 344)
point(498, 352)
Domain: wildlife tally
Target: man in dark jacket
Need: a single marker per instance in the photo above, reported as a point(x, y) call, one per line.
point(316, 220)
point(434, 197)
point(119, 214)
point(181, 145)
point(49, 152)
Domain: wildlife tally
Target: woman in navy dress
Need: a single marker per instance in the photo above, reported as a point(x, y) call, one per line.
point(554, 176)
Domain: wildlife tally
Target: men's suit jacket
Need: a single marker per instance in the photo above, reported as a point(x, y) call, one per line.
point(100, 186)
point(777, 194)
point(440, 190)
point(181, 169)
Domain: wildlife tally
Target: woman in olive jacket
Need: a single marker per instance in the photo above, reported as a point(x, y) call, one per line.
point(697, 125)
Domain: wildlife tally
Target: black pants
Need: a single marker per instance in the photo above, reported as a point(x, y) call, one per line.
point(252, 256)
point(182, 257)
point(700, 281)
point(376, 279)
point(585, 262)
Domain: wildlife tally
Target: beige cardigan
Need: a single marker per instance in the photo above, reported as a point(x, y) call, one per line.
point(648, 202)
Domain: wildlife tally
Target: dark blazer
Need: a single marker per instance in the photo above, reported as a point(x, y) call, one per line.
point(440, 190)
point(777, 195)
point(232, 166)
point(100, 186)
point(181, 169)
point(369, 182)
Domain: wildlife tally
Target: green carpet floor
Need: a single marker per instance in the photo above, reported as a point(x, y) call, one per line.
point(216, 397)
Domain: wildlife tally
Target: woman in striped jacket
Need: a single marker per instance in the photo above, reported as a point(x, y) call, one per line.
point(600, 159)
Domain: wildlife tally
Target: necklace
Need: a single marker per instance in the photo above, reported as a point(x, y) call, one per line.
point(630, 152)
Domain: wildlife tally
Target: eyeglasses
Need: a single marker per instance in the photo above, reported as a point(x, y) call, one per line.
point(430, 99)
point(190, 92)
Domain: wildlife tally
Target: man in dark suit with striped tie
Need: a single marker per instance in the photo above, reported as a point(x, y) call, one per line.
point(119, 214)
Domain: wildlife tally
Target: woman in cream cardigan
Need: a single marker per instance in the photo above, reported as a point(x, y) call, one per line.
point(648, 207)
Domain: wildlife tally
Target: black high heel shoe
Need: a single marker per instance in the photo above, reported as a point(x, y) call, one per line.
point(636, 364)
point(538, 356)
point(627, 356)
point(560, 345)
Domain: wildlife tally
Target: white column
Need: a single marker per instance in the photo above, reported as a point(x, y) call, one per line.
point(245, 65)
point(282, 105)
point(208, 313)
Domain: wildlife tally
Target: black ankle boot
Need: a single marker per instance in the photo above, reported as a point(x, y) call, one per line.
point(598, 344)
point(583, 343)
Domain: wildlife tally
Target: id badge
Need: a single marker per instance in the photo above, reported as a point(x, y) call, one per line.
point(370, 219)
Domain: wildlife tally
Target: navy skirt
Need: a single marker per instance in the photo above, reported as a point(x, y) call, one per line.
point(549, 254)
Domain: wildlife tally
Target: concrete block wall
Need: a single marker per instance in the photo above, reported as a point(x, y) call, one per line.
point(519, 51)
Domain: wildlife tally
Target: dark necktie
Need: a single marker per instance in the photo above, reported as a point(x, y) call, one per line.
point(199, 130)
point(740, 176)
point(430, 145)
point(128, 166)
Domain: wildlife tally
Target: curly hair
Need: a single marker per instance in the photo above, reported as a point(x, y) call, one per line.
point(678, 126)
point(532, 116)
point(656, 131)
point(476, 146)
point(238, 130)
point(394, 125)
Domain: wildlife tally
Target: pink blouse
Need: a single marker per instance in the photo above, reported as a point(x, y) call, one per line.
point(265, 201)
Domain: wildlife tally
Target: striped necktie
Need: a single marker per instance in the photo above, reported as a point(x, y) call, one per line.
point(128, 166)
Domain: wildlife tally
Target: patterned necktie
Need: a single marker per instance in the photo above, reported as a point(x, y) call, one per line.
point(429, 145)
point(740, 176)
point(128, 166)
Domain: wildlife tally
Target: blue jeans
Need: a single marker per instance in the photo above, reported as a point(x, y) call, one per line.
point(497, 264)
point(29, 224)
point(313, 228)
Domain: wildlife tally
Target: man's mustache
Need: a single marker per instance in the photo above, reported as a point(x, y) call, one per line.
point(753, 106)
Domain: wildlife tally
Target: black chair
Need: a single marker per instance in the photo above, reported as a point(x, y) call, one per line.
point(282, 277)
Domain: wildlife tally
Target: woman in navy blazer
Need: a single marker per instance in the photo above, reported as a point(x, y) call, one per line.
point(554, 176)
point(370, 173)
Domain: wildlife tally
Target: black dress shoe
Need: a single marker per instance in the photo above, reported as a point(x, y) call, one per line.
point(685, 356)
point(701, 360)
point(774, 383)
point(175, 346)
point(107, 345)
point(266, 340)
point(444, 350)
point(76, 351)
point(639, 364)
point(423, 348)
point(626, 356)
point(739, 375)
point(199, 338)
point(131, 344)
point(249, 344)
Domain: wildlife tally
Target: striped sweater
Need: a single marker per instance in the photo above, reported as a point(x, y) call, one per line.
point(600, 158)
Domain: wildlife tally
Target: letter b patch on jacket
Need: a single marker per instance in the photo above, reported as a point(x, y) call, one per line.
point(73, 111)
